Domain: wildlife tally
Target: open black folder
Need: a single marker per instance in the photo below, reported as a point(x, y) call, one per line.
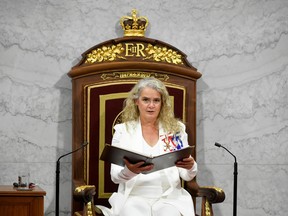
point(115, 155)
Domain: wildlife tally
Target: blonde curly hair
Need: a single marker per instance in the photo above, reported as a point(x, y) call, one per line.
point(166, 116)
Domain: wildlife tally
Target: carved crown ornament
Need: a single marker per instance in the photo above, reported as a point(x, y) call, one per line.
point(134, 45)
point(133, 25)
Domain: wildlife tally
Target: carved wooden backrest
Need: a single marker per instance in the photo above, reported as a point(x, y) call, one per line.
point(100, 83)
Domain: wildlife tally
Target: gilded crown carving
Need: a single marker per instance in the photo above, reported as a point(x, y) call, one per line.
point(133, 25)
point(135, 47)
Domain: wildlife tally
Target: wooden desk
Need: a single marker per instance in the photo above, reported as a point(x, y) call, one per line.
point(21, 203)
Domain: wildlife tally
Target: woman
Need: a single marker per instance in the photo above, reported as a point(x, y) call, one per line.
point(149, 126)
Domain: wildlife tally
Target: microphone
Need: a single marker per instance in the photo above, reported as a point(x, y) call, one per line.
point(219, 145)
point(235, 179)
point(84, 144)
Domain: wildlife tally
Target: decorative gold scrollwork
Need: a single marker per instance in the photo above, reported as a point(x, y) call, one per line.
point(163, 54)
point(105, 53)
point(118, 51)
point(207, 208)
point(89, 209)
point(135, 74)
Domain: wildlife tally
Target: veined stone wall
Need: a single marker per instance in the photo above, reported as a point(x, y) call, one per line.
point(240, 47)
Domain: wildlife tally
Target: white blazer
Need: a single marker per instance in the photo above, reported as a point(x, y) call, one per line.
point(128, 138)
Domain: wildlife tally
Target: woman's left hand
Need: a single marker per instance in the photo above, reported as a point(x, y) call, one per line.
point(186, 163)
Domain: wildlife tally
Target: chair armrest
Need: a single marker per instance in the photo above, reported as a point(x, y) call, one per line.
point(213, 194)
point(84, 193)
point(210, 195)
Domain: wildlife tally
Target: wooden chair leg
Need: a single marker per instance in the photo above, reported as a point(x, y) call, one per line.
point(206, 208)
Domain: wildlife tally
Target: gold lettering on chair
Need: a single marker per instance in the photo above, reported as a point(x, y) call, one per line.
point(133, 74)
point(123, 51)
point(140, 48)
point(129, 49)
point(135, 49)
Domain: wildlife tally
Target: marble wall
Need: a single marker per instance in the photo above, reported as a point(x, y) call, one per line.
point(240, 47)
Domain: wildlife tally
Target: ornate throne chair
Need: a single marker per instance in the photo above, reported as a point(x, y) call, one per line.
point(100, 83)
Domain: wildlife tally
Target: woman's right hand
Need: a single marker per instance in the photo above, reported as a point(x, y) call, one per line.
point(138, 167)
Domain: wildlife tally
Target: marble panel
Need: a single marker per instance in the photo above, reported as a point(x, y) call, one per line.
point(240, 47)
